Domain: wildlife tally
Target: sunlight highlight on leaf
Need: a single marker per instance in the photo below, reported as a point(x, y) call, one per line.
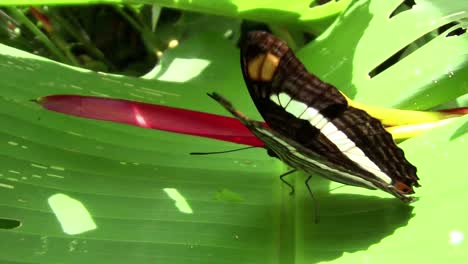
point(182, 70)
point(456, 237)
point(180, 201)
point(72, 214)
point(7, 186)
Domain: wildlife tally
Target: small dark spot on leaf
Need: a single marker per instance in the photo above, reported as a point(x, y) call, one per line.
point(7, 223)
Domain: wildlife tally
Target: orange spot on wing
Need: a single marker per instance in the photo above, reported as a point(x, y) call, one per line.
point(402, 187)
point(263, 67)
point(254, 66)
point(270, 64)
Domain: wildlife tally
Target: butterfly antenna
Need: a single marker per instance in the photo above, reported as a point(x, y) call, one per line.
point(220, 152)
point(316, 209)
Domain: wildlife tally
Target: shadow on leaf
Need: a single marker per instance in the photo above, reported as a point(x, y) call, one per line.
point(462, 130)
point(350, 223)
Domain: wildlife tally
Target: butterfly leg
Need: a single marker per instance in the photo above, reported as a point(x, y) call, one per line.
point(316, 215)
point(287, 183)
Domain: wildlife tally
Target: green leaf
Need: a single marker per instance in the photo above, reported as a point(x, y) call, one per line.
point(365, 36)
point(121, 176)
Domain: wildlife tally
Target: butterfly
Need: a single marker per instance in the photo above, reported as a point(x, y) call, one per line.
point(310, 126)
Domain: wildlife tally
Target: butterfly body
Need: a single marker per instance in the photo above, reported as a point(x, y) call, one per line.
point(312, 128)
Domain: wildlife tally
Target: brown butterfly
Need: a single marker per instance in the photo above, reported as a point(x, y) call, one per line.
point(311, 127)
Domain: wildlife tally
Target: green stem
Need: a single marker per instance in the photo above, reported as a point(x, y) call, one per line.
point(147, 35)
point(74, 28)
point(18, 15)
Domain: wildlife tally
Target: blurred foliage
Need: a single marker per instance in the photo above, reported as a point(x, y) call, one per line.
point(108, 38)
point(125, 39)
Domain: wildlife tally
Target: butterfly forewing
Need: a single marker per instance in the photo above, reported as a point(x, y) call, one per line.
point(312, 128)
point(270, 67)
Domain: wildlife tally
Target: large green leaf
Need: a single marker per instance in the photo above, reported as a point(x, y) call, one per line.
point(430, 71)
point(87, 190)
point(121, 175)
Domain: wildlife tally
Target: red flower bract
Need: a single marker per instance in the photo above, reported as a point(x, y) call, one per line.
point(152, 116)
